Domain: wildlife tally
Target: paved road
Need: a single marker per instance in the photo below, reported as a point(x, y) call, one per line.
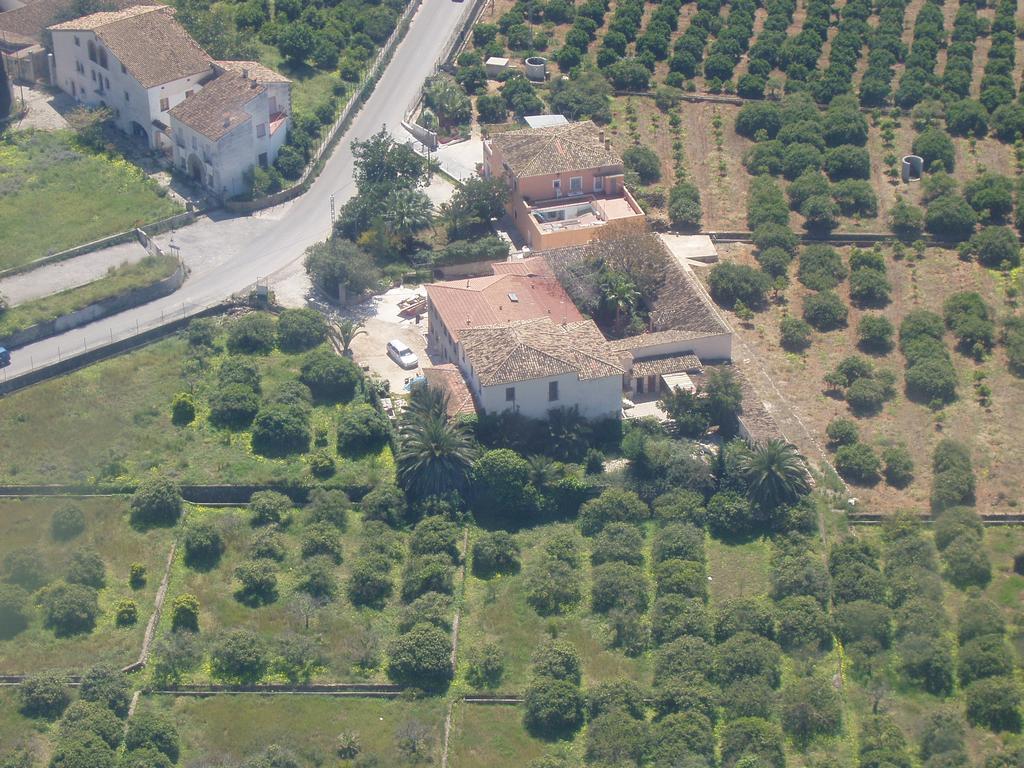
point(227, 253)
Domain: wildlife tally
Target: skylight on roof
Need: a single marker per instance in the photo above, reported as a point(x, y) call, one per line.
point(513, 297)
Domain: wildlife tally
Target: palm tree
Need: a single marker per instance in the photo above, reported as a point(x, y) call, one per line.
point(435, 453)
point(543, 471)
point(619, 293)
point(348, 329)
point(406, 212)
point(775, 474)
point(566, 430)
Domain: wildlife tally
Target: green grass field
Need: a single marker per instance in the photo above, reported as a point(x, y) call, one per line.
point(26, 523)
point(344, 633)
point(117, 281)
point(112, 422)
point(18, 731)
point(55, 194)
point(496, 610)
point(232, 727)
point(493, 736)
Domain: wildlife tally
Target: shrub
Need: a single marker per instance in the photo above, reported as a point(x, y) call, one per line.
point(618, 586)
point(203, 544)
point(810, 708)
point(842, 432)
point(362, 429)
point(950, 217)
point(300, 329)
point(758, 116)
point(731, 282)
point(238, 370)
point(613, 505)
point(967, 562)
point(558, 660)
point(906, 220)
point(86, 718)
point(67, 523)
point(820, 267)
point(486, 667)
point(932, 380)
point(44, 694)
point(995, 246)
point(775, 261)
point(874, 333)
point(330, 377)
point(552, 708)
point(238, 656)
point(644, 162)
point(185, 613)
point(156, 502)
point(794, 334)
point(926, 660)
point(494, 553)
point(258, 583)
point(755, 738)
point(825, 311)
point(421, 658)
point(85, 566)
point(899, 466)
point(385, 503)
point(183, 409)
point(855, 198)
point(678, 540)
point(321, 539)
point(329, 506)
point(768, 236)
point(69, 609)
point(370, 581)
point(819, 214)
point(934, 147)
point(848, 162)
point(991, 195)
point(15, 610)
point(955, 522)
point(428, 573)
point(429, 608)
point(126, 613)
point(994, 703)
point(979, 617)
point(252, 334)
point(269, 508)
point(106, 685)
point(618, 542)
point(684, 208)
point(869, 288)
point(803, 623)
point(553, 587)
point(233, 406)
point(435, 535)
point(858, 463)
point(155, 730)
point(280, 430)
point(982, 657)
point(748, 655)
point(729, 514)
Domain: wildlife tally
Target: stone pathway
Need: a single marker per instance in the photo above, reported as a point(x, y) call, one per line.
point(69, 273)
point(45, 110)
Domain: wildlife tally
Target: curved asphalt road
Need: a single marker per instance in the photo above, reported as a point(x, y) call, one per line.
point(227, 253)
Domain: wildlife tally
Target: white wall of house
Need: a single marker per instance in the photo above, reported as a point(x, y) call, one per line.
point(93, 85)
point(595, 398)
point(707, 348)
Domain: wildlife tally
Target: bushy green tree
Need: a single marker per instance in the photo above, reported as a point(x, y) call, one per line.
point(421, 658)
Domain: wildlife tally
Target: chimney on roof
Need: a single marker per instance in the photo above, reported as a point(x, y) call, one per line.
point(600, 135)
point(227, 121)
point(607, 143)
point(245, 73)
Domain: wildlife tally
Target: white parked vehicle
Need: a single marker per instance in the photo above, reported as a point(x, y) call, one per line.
point(399, 352)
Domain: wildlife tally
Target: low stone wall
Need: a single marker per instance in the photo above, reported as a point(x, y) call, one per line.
point(96, 311)
point(173, 222)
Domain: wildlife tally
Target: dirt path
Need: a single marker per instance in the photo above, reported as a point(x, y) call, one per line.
point(455, 646)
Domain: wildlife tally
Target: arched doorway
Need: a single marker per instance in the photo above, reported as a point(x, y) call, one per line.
point(140, 132)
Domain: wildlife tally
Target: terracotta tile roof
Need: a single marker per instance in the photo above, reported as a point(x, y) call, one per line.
point(636, 344)
point(536, 349)
point(449, 378)
point(218, 108)
point(28, 22)
point(556, 149)
point(534, 265)
point(488, 301)
point(663, 364)
point(256, 71)
point(154, 48)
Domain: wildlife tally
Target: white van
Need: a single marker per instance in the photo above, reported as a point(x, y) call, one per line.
point(399, 352)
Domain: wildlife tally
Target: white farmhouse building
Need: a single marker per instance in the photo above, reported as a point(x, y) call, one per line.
point(520, 343)
point(139, 62)
point(215, 120)
point(238, 120)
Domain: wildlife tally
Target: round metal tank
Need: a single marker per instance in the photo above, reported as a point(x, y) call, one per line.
point(537, 68)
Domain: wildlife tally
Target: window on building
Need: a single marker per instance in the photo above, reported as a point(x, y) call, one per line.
point(106, 82)
point(195, 144)
point(165, 104)
point(263, 159)
point(93, 73)
point(261, 130)
point(557, 185)
point(126, 96)
point(92, 50)
point(599, 183)
point(78, 42)
point(103, 58)
point(552, 391)
point(510, 394)
point(576, 185)
point(124, 70)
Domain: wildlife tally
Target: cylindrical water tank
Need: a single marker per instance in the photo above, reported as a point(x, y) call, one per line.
point(537, 68)
point(913, 167)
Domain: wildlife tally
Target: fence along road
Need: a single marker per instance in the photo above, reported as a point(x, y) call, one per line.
point(228, 253)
